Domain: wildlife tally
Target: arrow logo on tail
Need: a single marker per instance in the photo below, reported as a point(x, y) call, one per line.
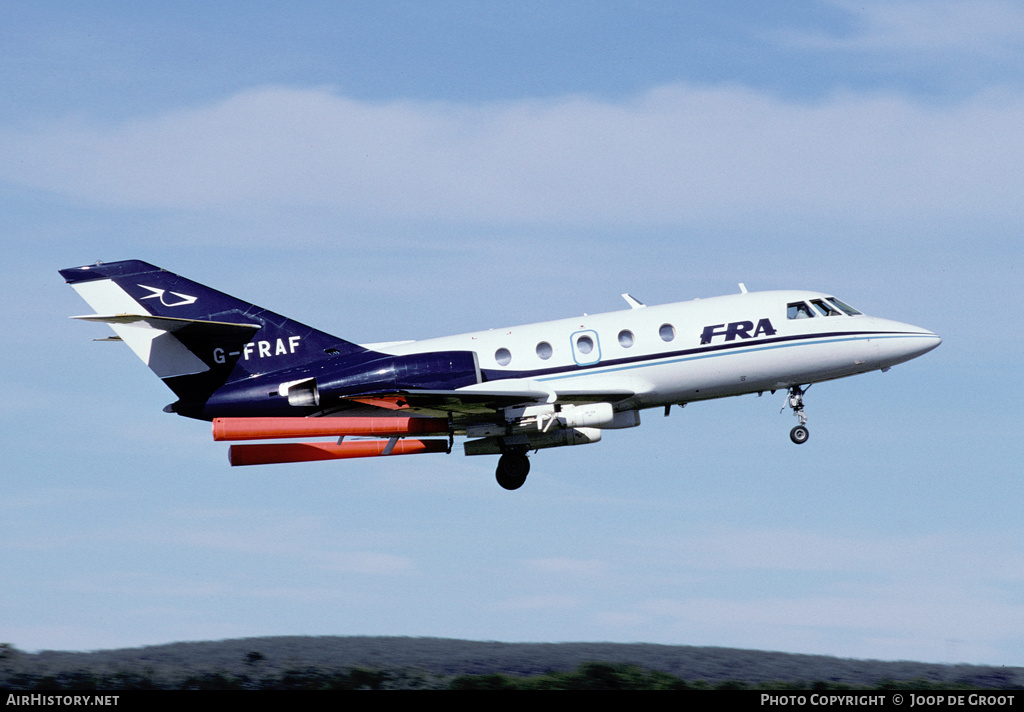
point(161, 293)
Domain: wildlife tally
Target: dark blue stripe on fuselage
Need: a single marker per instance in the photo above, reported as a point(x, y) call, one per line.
point(631, 362)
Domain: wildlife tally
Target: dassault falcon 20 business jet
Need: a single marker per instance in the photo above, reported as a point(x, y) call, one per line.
point(261, 376)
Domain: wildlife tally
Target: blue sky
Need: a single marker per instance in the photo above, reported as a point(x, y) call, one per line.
point(394, 170)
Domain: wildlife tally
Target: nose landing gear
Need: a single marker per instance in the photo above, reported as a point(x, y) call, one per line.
point(799, 434)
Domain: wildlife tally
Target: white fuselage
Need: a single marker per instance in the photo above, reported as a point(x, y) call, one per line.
point(687, 351)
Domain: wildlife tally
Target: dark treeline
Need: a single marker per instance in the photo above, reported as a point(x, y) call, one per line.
point(305, 663)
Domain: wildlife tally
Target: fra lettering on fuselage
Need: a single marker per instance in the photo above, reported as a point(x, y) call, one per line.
point(737, 329)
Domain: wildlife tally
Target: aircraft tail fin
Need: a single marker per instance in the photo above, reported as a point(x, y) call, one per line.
point(191, 336)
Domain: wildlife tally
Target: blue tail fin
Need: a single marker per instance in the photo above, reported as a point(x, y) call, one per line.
point(195, 338)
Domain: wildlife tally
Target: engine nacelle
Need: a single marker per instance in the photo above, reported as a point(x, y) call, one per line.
point(588, 415)
point(441, 371)
point(302, 390)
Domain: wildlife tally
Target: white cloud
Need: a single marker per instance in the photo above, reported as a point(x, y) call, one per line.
point(985, 27)
point(676, 155)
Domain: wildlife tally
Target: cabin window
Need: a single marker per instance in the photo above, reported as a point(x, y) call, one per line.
point(503, 357)
point(844, 306)
point(625, 338)
point(799, 310)
point(586, 349)
point(667, 332)
point(544, 350)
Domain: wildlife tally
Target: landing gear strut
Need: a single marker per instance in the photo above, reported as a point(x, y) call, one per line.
point(799, 434)
point(513, 467)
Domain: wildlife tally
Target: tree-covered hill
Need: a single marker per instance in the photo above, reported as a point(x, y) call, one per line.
point(376, 662)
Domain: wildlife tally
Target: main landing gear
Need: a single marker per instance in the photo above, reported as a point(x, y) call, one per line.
point(799, 434)
point(513, 467)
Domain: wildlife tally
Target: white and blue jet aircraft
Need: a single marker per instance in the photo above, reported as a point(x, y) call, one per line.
point(261, 376)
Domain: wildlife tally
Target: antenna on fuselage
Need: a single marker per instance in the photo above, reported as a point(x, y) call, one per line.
point(633, 302)
point(743, 288)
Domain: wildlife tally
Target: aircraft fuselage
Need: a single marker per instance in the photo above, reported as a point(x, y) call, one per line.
point(686, 351)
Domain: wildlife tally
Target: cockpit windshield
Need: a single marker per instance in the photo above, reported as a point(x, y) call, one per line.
point(844, 306)
point(799, 310)
point(822, 307)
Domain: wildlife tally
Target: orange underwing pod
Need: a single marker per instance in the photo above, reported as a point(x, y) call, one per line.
point(274, 453)
point(270, 428)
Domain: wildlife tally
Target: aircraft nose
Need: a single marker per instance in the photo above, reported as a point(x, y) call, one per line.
point(926, 341)
point(912, 341)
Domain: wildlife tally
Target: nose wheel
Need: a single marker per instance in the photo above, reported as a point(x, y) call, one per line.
point(799, 434)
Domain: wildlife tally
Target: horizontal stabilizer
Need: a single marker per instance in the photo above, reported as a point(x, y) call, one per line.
point(169, 345)
point(171, 324)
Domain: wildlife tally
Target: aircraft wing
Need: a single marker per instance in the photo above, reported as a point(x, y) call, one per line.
point(455, 402)
point(478, 404)
point(602, 396)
